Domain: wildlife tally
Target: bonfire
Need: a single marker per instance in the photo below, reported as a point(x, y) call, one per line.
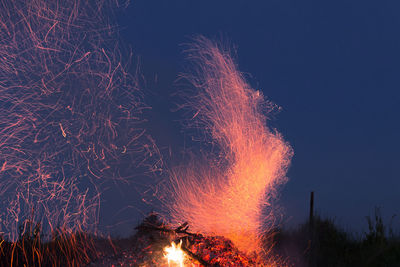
point(157, 244)
point(224, 198)
point(69, 129)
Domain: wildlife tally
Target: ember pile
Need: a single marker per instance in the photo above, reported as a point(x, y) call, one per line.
point(219, 251)
point(153, 237)
point(199, 250)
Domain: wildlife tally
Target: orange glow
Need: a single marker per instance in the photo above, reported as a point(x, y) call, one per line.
point(232, 193)
point(175, 254)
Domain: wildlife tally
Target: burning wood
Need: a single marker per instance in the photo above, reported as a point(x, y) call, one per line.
point(157, 244)
point(175, 254)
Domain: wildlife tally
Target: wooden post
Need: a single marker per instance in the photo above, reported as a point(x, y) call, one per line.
point(312, 252)
point(311, 219)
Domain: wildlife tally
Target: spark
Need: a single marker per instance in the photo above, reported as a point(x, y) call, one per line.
point(62, 76)
point(4, 166)
point(62, 131)
point(231, 192)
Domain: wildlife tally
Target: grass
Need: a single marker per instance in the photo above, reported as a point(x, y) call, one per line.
point(63, 248)
point(323, 243)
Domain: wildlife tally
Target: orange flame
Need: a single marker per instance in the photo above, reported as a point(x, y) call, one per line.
point(228, 198)
point(175, 254)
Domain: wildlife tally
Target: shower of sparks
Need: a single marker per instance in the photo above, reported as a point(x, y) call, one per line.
point(69, 113)
point(232, 193)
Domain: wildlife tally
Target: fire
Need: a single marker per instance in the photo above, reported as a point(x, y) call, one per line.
point(229, 192)
point(175, 254)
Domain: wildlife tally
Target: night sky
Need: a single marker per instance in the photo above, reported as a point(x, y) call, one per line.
point(332, 66)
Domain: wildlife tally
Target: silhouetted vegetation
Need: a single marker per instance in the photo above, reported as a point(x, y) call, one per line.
point(318, 243)
point(323, 243)
point(61, 249)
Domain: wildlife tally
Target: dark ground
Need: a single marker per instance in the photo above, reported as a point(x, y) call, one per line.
point(320, 243)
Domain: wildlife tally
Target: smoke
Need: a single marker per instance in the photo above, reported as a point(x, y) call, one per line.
point(228, 192)
point(69, 113)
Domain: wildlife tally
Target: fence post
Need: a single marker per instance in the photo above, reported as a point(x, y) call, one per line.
point(311, 219)
point(312, 252)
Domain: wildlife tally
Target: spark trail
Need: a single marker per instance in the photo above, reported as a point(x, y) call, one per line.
point(69, 113)
point(229, 194)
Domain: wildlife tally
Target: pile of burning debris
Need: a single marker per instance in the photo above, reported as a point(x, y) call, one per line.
point(198, 250)
point(156, 244)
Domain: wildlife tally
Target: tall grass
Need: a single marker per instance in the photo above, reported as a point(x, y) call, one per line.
point(327, 244)
point(63, 248)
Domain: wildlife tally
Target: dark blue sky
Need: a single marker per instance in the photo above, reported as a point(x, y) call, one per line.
point(333, 67)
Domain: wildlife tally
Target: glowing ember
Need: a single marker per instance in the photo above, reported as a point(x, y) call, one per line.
point(175, 254)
